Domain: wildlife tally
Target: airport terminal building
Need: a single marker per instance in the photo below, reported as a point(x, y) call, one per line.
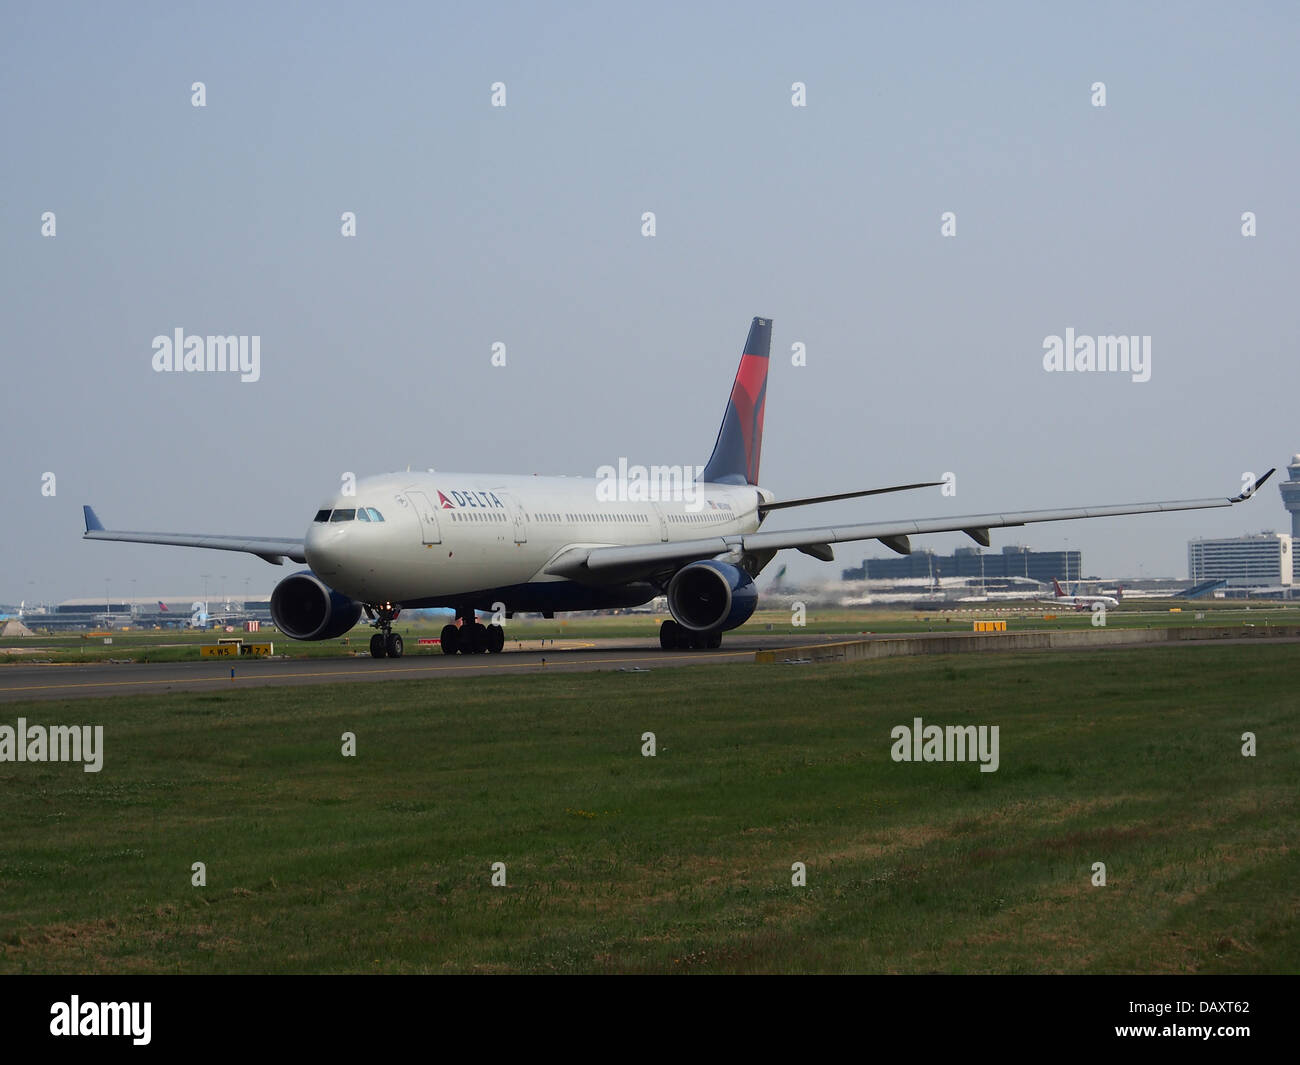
point(1260, 561)
point(1012, 561)
point(165, 612)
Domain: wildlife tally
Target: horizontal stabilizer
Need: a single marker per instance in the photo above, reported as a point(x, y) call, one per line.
point(273, 549)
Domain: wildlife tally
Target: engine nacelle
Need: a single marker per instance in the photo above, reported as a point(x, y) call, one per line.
point(711, 595)
point(303, 607)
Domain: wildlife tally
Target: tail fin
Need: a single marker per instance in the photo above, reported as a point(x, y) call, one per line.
point(740, 439)
point(1057, 585)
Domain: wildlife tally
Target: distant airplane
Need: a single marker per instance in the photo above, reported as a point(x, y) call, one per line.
point(493, 542)
point(1079, 602)
point(201, 619)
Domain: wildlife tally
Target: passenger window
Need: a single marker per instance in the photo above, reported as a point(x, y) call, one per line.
point(322, 515)
point(343, 515)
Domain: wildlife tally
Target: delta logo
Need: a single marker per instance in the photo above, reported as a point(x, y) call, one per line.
point(473, 500)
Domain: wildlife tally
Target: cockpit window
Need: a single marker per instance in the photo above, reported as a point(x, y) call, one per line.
point(362, 515)
point(374, 514)
point(322, 515)
point(343, 515)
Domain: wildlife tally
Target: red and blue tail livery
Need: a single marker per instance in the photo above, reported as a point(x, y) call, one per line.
point(740, 439)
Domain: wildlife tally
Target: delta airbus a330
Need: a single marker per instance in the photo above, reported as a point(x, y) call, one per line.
point(499, 543)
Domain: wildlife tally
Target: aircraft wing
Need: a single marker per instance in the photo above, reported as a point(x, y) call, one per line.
point(599, 565)
point(273, 549)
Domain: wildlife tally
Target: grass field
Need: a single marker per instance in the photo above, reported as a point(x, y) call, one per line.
point(617, 862)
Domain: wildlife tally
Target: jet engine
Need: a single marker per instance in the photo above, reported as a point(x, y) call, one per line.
point(711, 596)
point(305, 608)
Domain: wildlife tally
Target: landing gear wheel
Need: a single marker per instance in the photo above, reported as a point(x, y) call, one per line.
point(385, 643)
point(685, 638)
point(478, 639)
point(496, 639)
point(450, 639)
point(668, 633)
point(714, 640)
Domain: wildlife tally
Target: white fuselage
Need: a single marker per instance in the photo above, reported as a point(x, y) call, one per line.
point(1082, 602)
point(449, 535)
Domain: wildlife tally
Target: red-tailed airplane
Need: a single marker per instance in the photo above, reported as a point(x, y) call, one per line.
point(500, 543)
point(1081, 602)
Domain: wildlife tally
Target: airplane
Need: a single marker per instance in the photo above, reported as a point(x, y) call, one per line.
point(1079, 602)
point(199, 618)
point(499, 543)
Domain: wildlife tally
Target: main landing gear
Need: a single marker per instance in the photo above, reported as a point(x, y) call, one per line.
point(385, 643)
point(472, 637)
point(675, 637)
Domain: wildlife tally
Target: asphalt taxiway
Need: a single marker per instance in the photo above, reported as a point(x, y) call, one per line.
point(71, 681)
point(60, 681)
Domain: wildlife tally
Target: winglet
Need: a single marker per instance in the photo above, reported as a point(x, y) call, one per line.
point(93, 523)
point(1253, 488)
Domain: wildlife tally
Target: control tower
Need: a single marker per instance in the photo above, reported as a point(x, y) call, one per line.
point(1291, 500)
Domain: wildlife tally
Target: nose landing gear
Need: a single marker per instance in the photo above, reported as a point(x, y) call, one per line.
point(385, 643)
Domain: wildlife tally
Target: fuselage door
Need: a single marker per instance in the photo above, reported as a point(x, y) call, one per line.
point(428, 515)
point(516, 515)
point(663, 522)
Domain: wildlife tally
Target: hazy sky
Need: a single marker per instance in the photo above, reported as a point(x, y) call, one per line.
point(523, 225)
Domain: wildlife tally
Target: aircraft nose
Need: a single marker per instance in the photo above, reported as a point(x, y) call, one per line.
point(324, 548)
